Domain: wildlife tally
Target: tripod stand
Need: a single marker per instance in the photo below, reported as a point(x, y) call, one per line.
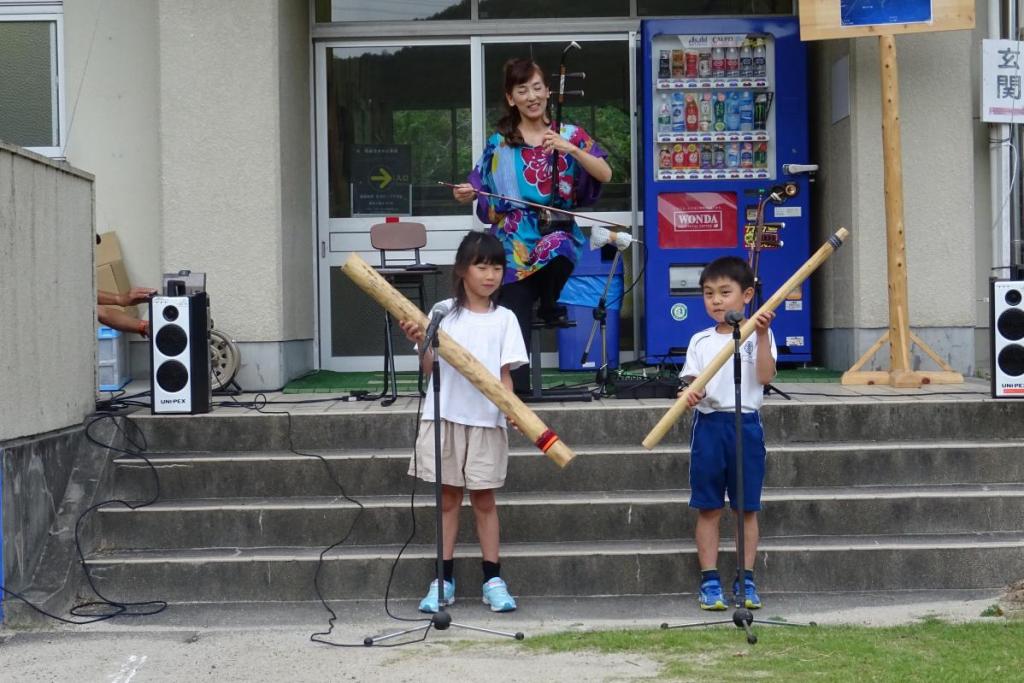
point(441, 620)
point(601, 319)
point(741, 617)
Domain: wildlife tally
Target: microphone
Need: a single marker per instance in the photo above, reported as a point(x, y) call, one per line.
point(601, 236)
point(734, 317)
point(437, 314)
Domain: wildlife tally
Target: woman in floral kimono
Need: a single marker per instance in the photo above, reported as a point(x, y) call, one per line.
point(517, 164)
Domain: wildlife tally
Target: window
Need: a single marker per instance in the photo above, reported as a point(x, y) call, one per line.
point(398, 121)
point(390, 10)
point(31, 76)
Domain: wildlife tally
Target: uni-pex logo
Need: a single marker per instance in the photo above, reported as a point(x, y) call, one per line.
point(172, 401)
point(699, 220)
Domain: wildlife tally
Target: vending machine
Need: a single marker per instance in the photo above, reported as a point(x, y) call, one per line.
point(726, 170)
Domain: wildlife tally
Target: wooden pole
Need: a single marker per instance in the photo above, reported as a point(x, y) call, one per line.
point(899, 330)
point(371, 282)
point(746, 329)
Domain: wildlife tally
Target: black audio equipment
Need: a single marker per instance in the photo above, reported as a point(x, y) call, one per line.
point(1006, 299)
point(179, 354)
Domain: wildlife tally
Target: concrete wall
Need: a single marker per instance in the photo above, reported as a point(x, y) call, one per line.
point(47, 327)
point(939, 206)
point(234, 145)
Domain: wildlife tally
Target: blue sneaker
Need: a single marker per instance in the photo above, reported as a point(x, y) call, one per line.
point(429, 603)
point(496, 595)
point(752, 600)
point(711, 597)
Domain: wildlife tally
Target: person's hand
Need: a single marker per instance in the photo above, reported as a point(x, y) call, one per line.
point(762, 321)
point(692, 398)
point(512, 423)
point(137, 295)
point(413, 332)
point(554, 141)
point(464, 193)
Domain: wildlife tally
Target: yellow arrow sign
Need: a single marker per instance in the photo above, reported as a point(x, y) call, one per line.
point(383, 177)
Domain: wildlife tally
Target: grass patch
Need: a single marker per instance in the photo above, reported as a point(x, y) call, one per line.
point(931, 650)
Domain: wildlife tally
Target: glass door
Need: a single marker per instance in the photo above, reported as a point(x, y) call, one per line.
point(392, 119)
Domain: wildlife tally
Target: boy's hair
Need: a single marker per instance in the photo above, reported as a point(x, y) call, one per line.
point(730, 268)
point(476, 247)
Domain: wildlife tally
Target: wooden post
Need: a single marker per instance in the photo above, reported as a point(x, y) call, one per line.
point(899, 336)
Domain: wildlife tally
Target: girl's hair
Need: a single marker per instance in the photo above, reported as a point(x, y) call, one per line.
point(476, 247)
point(517, 72)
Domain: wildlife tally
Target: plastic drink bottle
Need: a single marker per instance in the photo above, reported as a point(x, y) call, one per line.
point(664, 115)
point(707, 115)
point(732, 111)
point(746, 59)
point(719, 124)
point(761, 155)
point(732, 155)
point(691, 113)
point(746, 110)
point(678, 114)
point(760, 63)
point(692, 156)
point(718, 63)
point(732, 62)
point(704, 64)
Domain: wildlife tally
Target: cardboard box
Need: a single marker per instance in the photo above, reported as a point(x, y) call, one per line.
point(108, 250)
point(113, 278)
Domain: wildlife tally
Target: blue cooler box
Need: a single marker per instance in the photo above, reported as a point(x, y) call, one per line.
point(581, 295)
point(112, 371)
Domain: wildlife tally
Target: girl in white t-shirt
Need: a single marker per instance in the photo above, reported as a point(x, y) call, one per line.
point(474, 442)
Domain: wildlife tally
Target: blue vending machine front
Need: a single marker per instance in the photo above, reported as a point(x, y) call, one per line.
point(725, 115)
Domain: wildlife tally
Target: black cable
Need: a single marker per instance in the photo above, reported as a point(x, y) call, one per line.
point(86, 609)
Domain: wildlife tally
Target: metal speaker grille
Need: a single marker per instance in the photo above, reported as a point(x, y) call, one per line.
point(171, 340)
point(172, 376)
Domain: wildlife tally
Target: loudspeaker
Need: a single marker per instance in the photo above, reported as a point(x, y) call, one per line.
point(1006, 299)
point(179, 354)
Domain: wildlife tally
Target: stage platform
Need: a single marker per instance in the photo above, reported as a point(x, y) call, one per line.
point(869, 489)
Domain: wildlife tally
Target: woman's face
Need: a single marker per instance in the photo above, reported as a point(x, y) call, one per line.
point(530, 98)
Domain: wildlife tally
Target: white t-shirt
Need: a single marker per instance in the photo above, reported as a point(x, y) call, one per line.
point(495, 340)
point(720, 392)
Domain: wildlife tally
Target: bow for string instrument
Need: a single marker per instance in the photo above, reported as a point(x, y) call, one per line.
point(553, 221)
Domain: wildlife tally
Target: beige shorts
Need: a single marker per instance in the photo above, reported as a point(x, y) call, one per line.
point(475, 458)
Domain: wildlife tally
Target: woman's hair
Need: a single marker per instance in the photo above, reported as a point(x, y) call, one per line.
point(476, 247)
point(517, 72)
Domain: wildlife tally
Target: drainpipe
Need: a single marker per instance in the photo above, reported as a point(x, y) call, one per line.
point(1002, 15)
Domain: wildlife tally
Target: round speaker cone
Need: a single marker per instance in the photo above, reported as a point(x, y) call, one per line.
point(170, 313)
point(172, 376)
point(171, 340)
point(1011, 324)
point(1013, 297)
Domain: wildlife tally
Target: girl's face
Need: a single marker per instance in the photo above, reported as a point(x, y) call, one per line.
point(530, 98)
point(482, 280)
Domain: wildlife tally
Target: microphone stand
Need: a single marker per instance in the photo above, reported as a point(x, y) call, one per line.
point(600, 319)
point(741, 617)
point(440, 621)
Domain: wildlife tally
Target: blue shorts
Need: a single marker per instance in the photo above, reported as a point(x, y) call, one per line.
point(713, 461)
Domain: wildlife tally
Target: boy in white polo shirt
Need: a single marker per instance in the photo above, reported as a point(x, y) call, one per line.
point(728, 285)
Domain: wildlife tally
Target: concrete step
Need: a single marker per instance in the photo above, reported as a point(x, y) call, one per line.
point(557, 517)
point(918, 416)
point(598, 468)
point(786, 564)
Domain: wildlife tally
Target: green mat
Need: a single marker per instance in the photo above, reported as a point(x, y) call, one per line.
point(330, 382)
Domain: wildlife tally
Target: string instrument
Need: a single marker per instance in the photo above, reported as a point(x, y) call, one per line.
point(550, 220)
point(761, 238)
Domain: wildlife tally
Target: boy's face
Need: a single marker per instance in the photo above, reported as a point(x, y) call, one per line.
point(724, 294)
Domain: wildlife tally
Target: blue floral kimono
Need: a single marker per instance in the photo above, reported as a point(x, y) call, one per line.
point(524, 172)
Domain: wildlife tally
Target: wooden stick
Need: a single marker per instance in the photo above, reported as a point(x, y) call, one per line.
point(746, 329)
point(371, 282)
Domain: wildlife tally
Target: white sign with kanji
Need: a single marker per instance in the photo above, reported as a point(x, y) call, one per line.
point(1001, 95)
